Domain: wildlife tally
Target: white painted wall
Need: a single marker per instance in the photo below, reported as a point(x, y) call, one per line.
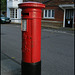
point(19, 13)
point(8, 12)
point(14, 4)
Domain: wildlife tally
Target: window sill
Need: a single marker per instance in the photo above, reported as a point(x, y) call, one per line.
point(13, 18)
point(48, 18)
point(10, 1)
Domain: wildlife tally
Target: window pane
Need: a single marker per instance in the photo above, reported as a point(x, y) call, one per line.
point(53, 13)
point(45, 13)
point(16, 13)
point(49, 13)
point(11, 13)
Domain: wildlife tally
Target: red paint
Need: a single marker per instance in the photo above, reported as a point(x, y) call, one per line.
point(31, 38)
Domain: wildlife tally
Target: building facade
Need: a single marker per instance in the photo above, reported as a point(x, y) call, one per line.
point(13, 12)
point(57, 12)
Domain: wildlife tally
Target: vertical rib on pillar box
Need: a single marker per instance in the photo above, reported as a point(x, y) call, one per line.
point(31, 37)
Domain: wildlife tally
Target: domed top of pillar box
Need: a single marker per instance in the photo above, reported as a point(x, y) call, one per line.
point(31, 5)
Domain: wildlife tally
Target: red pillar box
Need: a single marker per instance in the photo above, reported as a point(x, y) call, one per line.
point(31, 37)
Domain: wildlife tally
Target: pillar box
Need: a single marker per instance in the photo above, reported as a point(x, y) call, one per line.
point(31, 37)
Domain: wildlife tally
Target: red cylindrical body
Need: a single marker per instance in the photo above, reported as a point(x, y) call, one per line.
point(31, 36)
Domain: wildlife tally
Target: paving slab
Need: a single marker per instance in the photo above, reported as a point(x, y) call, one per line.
point(9, 67)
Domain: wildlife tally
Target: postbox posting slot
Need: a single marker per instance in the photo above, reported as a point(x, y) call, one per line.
point(27, 14)
point(24, 25)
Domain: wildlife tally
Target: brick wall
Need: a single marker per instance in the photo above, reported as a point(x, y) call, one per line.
point(58, 2)
point(58, 13)
point(57, 21)
point(55, 2)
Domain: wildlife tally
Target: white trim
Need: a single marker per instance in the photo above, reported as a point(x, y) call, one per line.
point(44, 14)
point(15, 19)
point(48, 18)
point(13, 0)
point(67, 6)
point(64, 18)
point(14, 10)
point(48, 13)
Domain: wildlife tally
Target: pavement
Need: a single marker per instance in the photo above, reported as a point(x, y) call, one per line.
point(59, 28)
point(11, 67)
point(52, 27)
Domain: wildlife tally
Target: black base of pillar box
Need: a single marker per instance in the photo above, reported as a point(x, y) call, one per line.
point(31, 68)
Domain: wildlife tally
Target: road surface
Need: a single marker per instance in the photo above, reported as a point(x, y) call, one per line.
point(57, 49)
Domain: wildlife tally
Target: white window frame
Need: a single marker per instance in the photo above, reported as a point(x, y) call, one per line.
point(15, 0)
point(12, 0)
point(13, 13)
point(50, 14)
